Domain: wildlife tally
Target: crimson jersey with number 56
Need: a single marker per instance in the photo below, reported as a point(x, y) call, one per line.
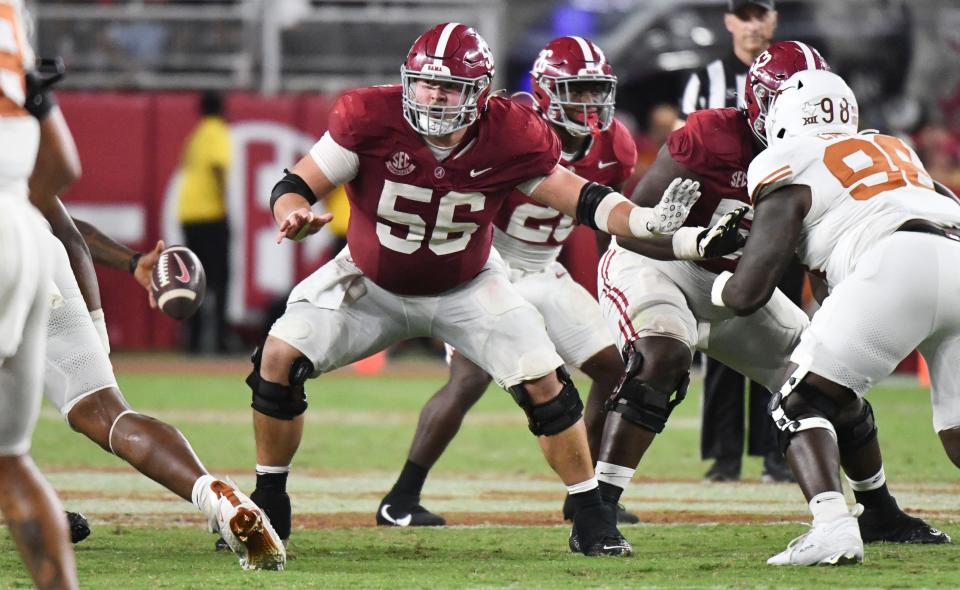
point(609, 159)
point(419, 225)
point(863, 188)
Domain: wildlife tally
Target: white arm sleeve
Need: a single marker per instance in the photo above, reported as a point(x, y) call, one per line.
point(337, 163)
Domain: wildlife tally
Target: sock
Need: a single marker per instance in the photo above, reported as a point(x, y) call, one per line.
point(613, 479)
point(410, 483)
point(585, 494)
point(272, 478)
point(199, 494)
point(874, 494)
point(828, 506)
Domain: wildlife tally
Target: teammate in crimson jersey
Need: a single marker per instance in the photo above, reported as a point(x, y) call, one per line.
point(656, 296)
point(427, 164)
point(862, 209)
point(574, 89)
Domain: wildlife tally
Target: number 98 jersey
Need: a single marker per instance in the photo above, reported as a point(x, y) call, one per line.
point(863, 188)
point(420, 225)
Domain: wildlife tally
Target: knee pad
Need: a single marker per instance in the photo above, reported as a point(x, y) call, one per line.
point(554, 416)
point(639, 402)
point(284, 402)
point(856, 433)
point(799, 406)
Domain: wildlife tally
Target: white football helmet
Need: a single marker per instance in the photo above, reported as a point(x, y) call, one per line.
point(812, 102)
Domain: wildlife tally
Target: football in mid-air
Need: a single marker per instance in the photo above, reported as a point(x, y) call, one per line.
point(178, 282)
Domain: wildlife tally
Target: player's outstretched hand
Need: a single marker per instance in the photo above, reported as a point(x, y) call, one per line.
point(673, 208)
point(144, 270)
point(301, 223)
point(724, 237)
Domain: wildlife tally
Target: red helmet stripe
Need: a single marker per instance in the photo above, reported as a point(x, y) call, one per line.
point(442, 42)
point(585, 48)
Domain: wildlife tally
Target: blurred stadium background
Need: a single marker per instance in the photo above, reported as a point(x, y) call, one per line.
point(134, 67)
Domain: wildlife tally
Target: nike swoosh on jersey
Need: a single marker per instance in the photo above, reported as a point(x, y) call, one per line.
point(403, 521)
point(476, 173)
point(601, 165)
point(184, 275)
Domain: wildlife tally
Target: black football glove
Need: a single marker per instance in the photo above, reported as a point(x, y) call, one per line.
point(724, 237)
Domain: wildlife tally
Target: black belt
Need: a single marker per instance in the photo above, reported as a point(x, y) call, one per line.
point(928, 227)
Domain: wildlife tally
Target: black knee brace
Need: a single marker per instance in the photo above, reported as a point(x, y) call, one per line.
point(858, 432)
point(284, 402)
point(801, 407)
point(554, 416)
point(640, 403)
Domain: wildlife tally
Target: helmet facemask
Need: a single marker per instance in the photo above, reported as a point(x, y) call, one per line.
point(441, 119)
point(567, 107)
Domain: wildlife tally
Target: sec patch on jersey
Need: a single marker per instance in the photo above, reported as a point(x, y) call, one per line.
point(178, 282)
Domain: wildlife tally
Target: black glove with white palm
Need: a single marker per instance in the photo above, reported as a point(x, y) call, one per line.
point(698, 243)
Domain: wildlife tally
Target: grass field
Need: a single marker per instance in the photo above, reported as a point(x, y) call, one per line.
point(492, 485)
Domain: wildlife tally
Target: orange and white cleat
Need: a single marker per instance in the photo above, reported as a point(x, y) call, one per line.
point(241, 523)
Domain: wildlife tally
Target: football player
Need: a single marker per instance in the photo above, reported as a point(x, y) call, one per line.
point(862, 210)
point(427, 164)
point(28, 503)
point(656, 296)
point(574, 89)
point(79, 379)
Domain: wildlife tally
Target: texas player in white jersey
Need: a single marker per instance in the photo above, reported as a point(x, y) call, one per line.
point(27, 502)
point(574, 89)
point(79, 379)
point(861, 209)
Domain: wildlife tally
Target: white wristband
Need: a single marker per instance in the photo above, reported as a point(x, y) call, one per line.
point(100, 323)
point(602, 215)
point(716, 293)
point(686, 243)
point(639, 218)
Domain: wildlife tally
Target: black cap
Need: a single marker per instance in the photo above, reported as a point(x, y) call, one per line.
point(735, 5)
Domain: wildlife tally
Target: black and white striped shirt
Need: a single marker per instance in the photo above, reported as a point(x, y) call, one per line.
point(718, 85)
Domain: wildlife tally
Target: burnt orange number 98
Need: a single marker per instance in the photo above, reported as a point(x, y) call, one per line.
point(897, 174)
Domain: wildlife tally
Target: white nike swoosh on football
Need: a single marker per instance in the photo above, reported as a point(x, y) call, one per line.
point(405, 521)
point(601, 165)
point(476, 173)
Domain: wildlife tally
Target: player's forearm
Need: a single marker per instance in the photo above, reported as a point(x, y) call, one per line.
point(81, 261)
point(658, 249)
point(104, 249)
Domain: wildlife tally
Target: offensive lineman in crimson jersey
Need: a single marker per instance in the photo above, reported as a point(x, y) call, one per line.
point(656, 296)
point(426, 165)
point(574, 90)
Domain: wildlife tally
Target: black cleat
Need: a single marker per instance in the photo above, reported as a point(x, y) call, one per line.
point(276, 505)
point(901, 528)
point(595, 534)
point(79, 527)
point(396, 513)
point(221, 545)
point(623, 515)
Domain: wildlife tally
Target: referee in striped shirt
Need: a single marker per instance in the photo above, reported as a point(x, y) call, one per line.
point(720, 84)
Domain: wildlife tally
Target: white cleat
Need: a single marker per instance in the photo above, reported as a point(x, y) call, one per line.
point(243, 525)
point(836, 542)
